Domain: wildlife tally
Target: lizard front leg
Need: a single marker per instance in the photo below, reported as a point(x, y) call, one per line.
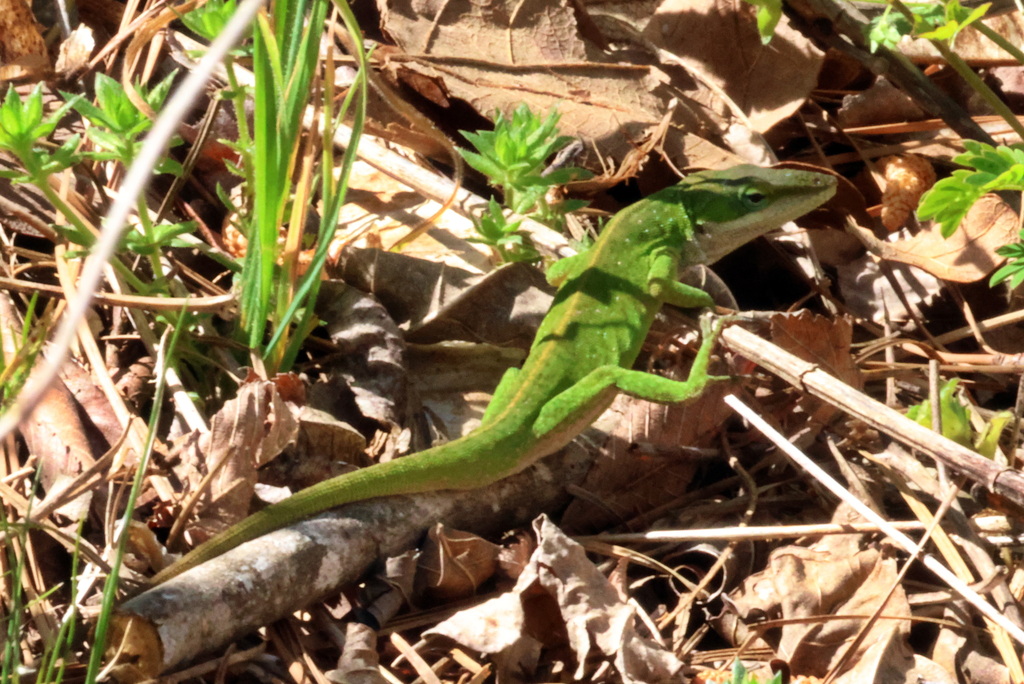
point(572, 405)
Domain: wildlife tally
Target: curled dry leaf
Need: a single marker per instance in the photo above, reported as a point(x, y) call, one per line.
point(360, 661)
point(562, 599)
point(75, 52)
point(247, 432)
point(22, 48)
point(372, 367)
point(907, 177)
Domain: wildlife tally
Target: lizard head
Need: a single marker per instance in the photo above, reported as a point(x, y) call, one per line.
point(729, 208)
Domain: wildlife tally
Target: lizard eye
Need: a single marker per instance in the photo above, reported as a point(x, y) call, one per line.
point(754, 196)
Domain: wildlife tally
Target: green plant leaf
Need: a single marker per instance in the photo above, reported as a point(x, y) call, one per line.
point(769, 12)
point(484, 165)
point(513, 157)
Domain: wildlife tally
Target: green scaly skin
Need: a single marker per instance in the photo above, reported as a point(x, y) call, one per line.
point(585, 347)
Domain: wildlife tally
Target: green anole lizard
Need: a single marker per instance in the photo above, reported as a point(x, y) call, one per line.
point(582, 356)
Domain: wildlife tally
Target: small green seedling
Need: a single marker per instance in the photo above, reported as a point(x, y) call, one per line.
point(503, 235)
point(769, 12)
point(16, 363)
point(991, 169)
point(115, 131)
point(947, 24)
point(117, 124)
point(932, 21)
point(23, 133)
point(209, 19)
point(741, 676)
point(956, 423)
point(513, 157)
point(1013, 269)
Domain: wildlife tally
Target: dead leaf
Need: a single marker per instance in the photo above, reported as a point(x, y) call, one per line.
point(75, 52)
point(56, 437)
point(360, 661)
point(372, 367)
point(982, 668)
point(94, 407)
point(966, 256)
point(453, 564)
point(561, 600)
point(641, 466)
point(868, 293)
point(380, 208)
point(882, 103)
point(890, 660)
point(907, 178)
point(54, 431)
point(534, 52)
point(20, 36)
point(825, 342)
point(503, 307)
point(821, 588)
point(971, 45)
point(324, 447)
point(454, 382)
point(409, 288)
point(247, 432)
point(768, 82)
point(135, 379)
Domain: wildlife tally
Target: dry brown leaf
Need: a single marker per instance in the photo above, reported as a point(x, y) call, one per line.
point(453, 564)
point(982, 668)
point(454, 382)
point(561, 599)
point(642, 466)
point(502, 307)
point(248, 431)
point(868, 293)
point(75, 52)
point(21, 35)
point(372, 368)
point(890, 660)
point(360, 660)
point(824, 342)
point(907, 178)
point(515, 554)
point(966, 256)
point(55, 436)
point(94, 407)
point(407, 287)
point(324, 447)
point(533, 52)
point(769, 83)
point(882, 103)
point(380, 208)
point(816, 586)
